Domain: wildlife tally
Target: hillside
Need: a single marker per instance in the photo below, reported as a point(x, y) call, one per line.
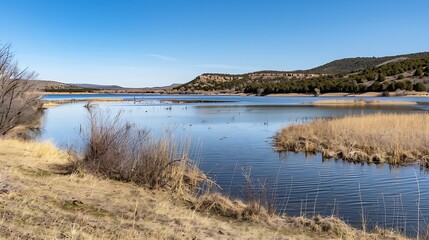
point(360, 63)
point(95, 86)
point(53, 86)
point(405, 72)
point(349, 75)
point(41, 85)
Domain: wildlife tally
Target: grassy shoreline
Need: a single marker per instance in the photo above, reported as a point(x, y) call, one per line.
point(40, 200)
point(392, 138)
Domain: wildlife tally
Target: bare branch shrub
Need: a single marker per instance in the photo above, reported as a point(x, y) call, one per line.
point(119, 150)
point(19, 105)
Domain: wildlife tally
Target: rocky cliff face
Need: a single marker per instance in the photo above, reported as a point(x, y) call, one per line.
point(222, 78)
point(228, 83)
point(217, 78)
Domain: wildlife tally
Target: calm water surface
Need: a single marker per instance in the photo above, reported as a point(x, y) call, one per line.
point(236, 134)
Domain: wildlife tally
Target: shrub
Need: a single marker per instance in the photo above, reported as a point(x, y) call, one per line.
point(400, 85)
point(375, 87)
point(371, 76)
point(408, 85)
point(418, 72)
point(391, 87)
point(419, 87)
point(381, 77)
point(118, 150)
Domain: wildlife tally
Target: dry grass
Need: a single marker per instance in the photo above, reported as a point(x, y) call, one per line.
point(393, 138)
point(42, 202)
point(50, 104)
point(217, 204)
point(46, 151)
point(359, 102)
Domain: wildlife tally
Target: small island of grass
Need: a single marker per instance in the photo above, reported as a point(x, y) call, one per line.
point(392, 138)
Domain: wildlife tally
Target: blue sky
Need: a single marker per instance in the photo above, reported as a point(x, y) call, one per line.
point(155, 43)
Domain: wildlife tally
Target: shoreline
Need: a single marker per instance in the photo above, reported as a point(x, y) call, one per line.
point(336, 102)
point(333, 94)
point(82, 205)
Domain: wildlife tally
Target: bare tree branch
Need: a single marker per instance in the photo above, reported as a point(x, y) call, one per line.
point(19, 104)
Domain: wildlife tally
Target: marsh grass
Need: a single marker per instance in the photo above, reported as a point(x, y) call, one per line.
point(259, 194)
point(393, 138)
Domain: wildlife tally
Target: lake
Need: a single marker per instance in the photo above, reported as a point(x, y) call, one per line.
point(232, 134)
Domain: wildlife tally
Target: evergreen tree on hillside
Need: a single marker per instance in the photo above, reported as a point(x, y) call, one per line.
point(391, 87)
point(408, 85)
point(381, 77)
point(419, 87)
point(375, 87)
point(371, 76)
point(399, 85)
point(418, 72)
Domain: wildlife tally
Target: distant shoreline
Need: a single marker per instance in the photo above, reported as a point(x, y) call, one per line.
point(332, 94)
point(345, 94)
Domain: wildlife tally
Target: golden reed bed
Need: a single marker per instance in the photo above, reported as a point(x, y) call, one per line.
point(393, 138)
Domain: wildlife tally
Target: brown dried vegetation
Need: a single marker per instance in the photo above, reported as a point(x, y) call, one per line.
point(392, 138)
